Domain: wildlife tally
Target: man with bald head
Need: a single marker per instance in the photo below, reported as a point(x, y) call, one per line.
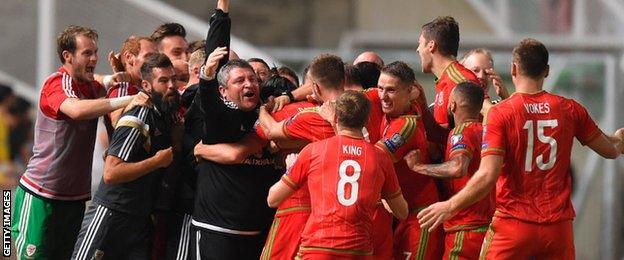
point(369, 56)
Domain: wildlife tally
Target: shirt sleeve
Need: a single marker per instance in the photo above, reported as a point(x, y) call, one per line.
point(131, 134)
point(309, 126)
point(494, 137)
point(372, 94)
point(121, 90)
point(54, 94)
point(586, 129)
point(218, 35)
point(400, 137)
point(391, 188)
point(297, 175)
point(463, 142)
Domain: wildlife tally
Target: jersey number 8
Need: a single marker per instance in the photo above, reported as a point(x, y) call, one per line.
point(539, 160)
point(344, 179)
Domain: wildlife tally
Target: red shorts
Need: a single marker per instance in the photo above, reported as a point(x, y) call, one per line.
point(509, 238)
point(328, 256)
point(285, 236)
point(464, 244)
point(382, 233)
point(410, 242)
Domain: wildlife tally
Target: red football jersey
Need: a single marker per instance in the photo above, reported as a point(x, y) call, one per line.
point(308, 125)
point(60, 86)
point(346, 178)
point(122, 89)
point(400, 136)
point(300, 200)
point(534, 134)
point(286, 112)
point(465, 139)
point(454, 74)
point(373, 125)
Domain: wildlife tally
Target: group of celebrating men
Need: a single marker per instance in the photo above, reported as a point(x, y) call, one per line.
point(202, 146)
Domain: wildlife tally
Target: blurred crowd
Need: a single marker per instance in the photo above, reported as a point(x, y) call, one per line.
point(16, 136)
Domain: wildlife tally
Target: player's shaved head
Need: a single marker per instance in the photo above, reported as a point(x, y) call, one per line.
point(370, 57)
point(531, 58)
point(469, 96)
point(352, 109)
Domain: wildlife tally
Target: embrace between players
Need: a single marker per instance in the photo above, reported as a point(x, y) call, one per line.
point(369, 174)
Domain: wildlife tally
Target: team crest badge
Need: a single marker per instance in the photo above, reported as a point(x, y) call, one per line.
point(456, 138)
point(30, 250)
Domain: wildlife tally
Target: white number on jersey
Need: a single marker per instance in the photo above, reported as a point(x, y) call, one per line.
point(344, 179)
point(539, 160)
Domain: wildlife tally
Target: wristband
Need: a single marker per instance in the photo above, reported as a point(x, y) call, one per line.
point(107, 81)
point(290, 96)
point(120, 102)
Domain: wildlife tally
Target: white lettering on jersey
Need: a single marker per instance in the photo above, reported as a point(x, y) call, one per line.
point(352, 150)
point(537, 108)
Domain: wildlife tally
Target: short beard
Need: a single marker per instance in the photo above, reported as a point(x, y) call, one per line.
point(167, 106)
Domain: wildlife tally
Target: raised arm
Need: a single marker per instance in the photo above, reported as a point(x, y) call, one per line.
point(81, 109)
point(219, 31)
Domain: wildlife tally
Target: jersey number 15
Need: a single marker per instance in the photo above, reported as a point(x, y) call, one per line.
point(539, 160)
